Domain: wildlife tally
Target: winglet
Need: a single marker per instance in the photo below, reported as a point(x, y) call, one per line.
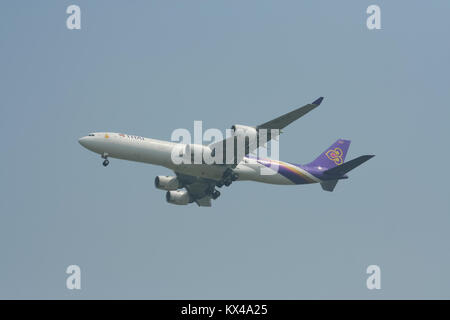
point(318, 101)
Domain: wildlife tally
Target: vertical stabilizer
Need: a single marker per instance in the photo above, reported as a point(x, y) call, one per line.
point(333, 156)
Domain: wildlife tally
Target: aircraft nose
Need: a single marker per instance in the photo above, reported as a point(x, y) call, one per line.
point(83, 141)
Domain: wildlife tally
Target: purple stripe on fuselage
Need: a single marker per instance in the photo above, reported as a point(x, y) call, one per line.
point(287, 172)
point(315, 171)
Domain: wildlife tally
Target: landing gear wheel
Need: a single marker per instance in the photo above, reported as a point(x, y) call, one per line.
point(219, 184)
point(105, 156)
point(228, 177)
point(215, 194)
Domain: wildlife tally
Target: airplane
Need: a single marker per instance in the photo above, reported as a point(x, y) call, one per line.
point(199, 182)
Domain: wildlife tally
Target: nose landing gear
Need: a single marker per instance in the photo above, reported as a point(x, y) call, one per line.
point(106, 162)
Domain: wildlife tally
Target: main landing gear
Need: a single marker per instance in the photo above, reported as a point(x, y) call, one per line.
point(228, 177)
point(106, 162)
point(215, 194)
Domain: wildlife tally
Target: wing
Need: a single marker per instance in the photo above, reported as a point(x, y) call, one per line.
point(228, 147)
point(199, 189)
point(286, 119)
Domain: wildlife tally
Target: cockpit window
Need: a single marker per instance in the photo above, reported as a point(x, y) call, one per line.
point(91, 135)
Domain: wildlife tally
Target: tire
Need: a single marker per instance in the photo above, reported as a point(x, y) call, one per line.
point(215, 194)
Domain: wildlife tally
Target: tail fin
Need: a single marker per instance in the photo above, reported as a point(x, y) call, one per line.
point(339, 171)
point(333, 156)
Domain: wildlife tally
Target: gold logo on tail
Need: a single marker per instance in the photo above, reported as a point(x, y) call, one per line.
point(335, 155)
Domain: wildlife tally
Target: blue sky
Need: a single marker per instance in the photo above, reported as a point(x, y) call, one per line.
point(148, 67)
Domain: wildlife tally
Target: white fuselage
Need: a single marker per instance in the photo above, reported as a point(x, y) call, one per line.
point(157, 152)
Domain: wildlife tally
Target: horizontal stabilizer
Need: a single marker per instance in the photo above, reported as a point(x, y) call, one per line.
point(342, 169)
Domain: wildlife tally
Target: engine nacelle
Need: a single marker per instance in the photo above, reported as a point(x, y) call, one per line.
point(246, 135)
point(180, 197)
point(240, 130)
point(167, 183)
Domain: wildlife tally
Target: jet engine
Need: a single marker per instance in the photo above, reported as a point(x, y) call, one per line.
point(252, 135)
point(180, 197)
point(167, 183)
point(246, 136)
point(240, 130)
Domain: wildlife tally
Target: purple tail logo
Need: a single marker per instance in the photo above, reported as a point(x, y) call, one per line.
point(335, 155)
